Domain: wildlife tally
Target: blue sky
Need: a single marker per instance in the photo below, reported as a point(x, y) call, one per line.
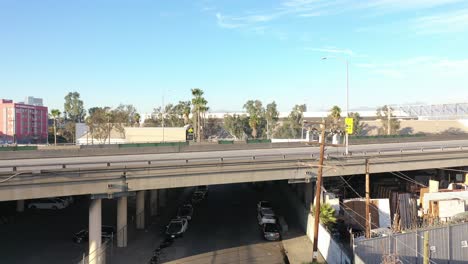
point(133, 52)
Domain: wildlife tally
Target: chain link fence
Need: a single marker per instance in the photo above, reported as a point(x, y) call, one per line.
point(447, 244)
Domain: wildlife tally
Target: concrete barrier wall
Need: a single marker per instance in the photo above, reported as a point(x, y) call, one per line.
point(113, 149)
point(332, 252)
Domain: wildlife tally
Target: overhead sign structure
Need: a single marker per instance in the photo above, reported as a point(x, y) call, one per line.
point(349, 122)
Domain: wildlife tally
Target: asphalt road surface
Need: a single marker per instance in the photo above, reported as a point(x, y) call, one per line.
point(224, 230)
point(175, 158)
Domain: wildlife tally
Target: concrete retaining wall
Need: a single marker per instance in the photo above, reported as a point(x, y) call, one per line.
point(332, 252)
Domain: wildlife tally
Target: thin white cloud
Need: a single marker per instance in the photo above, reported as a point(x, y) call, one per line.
point(313, 14)
point(314, 8)
point(390, 5)
point(333, 50)
point(423, 65)
point(246, 20)
point(226, 22)
point(449, 22)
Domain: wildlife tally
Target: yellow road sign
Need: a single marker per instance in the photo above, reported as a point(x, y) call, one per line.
point(349, 125)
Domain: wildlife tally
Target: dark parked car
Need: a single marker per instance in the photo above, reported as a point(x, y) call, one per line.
point(107, 232)
point(203, 189)
point(198, 196)
point(271, 232)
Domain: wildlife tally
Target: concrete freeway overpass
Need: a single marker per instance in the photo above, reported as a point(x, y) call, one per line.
point(49, 177)
point(116, 176)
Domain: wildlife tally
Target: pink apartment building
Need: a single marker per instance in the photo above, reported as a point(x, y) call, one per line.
point(23, 123)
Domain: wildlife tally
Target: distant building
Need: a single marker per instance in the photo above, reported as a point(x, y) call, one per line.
point(23, 123)
point(30, 100)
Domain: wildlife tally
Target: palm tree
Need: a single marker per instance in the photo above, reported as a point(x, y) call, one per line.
point(335, 113)
point(137, 119)
point(186, 112)
point(327, 214)
point(199, 106)
point(55, 114)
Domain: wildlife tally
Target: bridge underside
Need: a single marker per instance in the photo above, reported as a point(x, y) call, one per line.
point(113, 180)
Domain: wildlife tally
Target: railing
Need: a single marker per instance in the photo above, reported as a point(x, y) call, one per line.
point(167, 163)
point(105, 252)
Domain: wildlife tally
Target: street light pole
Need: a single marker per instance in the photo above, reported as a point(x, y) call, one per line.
point(163, 112)
point(347, 106)
point(347, 98)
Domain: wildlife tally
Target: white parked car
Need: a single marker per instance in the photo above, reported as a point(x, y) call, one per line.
point(265, 216)
point(68, 199)
point(176, 227)
point(48, 203)
point(263, 205)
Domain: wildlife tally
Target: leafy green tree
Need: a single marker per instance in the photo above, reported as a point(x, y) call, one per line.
point(212, 128)
point(73, 107)
point(100, 123)
point(357, 124)
point(390, 125)
point(271, 117)
point(236, 125)
point(256, 114)
point(183, 109)
point(292, 126)
point(55, 114)
point(73, 113)
point(199, 104)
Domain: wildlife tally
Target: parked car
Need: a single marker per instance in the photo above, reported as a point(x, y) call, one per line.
point(263, 205)
point(185, 211)
point(176, 227)
point(197, 196)
point(68, 199)
point(107, 232)
point(203, 189)
point(48, 203)
point(271, 232)
point(266, 216)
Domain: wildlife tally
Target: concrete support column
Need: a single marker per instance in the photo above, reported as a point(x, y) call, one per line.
point(122, 221)
point(308, 194)
point(162, 197)
point(95, 224)
point(140, 210)
point(154, 202)
point(20, 206)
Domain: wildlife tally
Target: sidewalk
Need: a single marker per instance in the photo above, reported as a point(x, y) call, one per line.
point(298, 248)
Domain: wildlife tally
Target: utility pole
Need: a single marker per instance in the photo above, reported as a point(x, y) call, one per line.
point(368, 220)
point(318, 191)
point(426, 248)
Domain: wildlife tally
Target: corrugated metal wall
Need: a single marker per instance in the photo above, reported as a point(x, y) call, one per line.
point(447, 245)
